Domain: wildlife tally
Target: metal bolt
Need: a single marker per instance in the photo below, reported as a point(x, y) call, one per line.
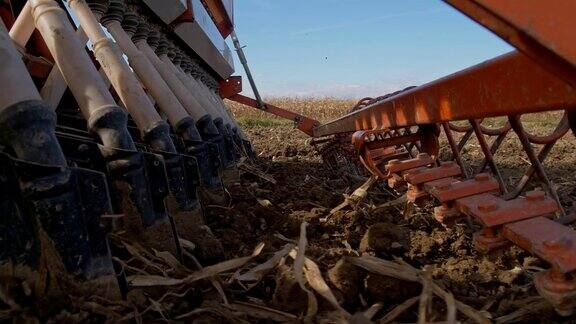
point(482, 177)
point(422, 156)
point(487, 206)
point(371, 137)
point(535, 195)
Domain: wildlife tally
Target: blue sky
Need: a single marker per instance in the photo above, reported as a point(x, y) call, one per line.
point(352, 49)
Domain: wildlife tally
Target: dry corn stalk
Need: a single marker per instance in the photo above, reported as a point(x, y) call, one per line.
point(150, 281)
point(404, 271)
point(356, 197)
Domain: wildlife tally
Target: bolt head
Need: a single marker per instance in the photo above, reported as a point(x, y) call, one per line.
point(487, 206)
point(482, 177)
point(371, 137)
point(535, 195)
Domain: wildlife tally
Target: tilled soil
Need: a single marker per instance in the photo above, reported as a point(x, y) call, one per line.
point(306, 190)
point(288, 196)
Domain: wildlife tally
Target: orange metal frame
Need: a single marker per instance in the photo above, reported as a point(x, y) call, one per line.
point(510, 84)
point(543, 30)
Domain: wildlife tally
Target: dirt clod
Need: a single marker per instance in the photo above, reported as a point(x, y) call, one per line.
point(288, 295)
point(390, 290)
point(348, 279)
point(385, 238)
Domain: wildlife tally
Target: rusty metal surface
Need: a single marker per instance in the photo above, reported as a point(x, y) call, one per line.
point(491, 210)
point(488, 240)
point(374, 139)
point(230, 87)
point(450, 191)
point(524, 87)
point(456, 155)
point(397, 166)
point(421, 175)
point(497, 137)
point(549, 240)
point(377, 149)
point(431, 185)
point(558, 289)
point(534, 161)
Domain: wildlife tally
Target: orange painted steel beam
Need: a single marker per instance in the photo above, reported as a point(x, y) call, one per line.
point(543, 30)
point(230, 87)
point(510, 84)
point(303, 123)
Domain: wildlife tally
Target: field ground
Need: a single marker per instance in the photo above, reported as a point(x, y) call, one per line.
point(290, 256)
point(499, 286)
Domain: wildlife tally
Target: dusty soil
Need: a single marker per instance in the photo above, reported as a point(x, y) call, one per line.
point(498, 286)
point(306, 191)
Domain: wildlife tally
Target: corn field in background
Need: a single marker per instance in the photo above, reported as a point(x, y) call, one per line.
point(321, 109)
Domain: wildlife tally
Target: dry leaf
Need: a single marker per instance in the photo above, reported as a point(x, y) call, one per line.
point(256, 273)
point(137, 251)
point(404, 271)
point(425, 297)
point(316, 281)
point(168, 258)
point(451, 309)
point(399, 310)
point(149, 281)
point(373, 310)
point(252, 169)
point(299, 273)
point(265, 202)
point(187, 244)
point(264, 313)
point(356, 197)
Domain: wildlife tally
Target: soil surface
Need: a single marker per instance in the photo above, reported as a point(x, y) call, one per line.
point(306, 190)
point(268, 203)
